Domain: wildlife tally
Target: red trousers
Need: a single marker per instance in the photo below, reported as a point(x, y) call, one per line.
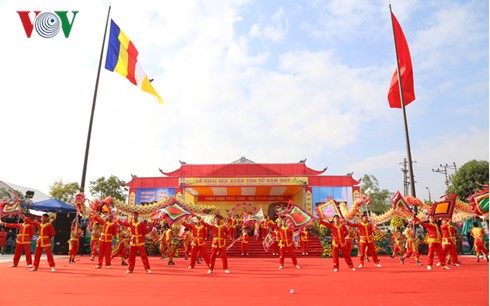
point(18, 253)
point(73, 248)
point(222, 254)
point(94, 244)
point(201, 250)
point(132, 257)
point(433, 247)
point(187, 249)
point(244, 248)
point(398, 248)
point(121, 251)
point(275, 247)
point(479, 246)
point(263, 231)
point(348, 245)
point(345, 254)
point(232, 233)
point(410, 251)
point(39, 252)
point(304, 246)
point(105, 250)
point(369, 246)
point(282, 253)
point(451, 250)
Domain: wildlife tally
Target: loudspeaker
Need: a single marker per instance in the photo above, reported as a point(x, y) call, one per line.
point(62, 226)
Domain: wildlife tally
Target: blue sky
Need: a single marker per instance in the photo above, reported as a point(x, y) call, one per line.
point(274, 81)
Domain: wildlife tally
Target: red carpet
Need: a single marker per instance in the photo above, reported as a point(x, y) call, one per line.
point(253, 281)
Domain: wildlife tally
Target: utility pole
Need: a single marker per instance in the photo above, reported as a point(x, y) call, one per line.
point(406, 181)
point(444, 170)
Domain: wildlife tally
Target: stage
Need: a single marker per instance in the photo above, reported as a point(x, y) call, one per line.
point(253, 281)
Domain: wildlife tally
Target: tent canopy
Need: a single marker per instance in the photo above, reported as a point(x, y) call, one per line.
point(53, 205)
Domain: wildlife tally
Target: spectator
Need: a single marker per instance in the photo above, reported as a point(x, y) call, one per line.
point(470, 241)
point(3, 240)
point(10, 244)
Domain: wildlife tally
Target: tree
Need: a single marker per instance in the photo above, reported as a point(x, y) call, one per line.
point(379, 198)
point(9, 194)
point(112, 186)
point(469, 179)
point(64, 192)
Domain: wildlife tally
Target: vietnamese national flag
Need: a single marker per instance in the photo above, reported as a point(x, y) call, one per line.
point(406, 72)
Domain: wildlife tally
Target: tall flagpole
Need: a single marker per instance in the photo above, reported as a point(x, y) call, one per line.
point(407, 138)
point(87, 147)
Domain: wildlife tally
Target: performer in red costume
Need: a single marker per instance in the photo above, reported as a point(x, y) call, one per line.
point(95, 239)
point(479, 244)
point(232, 224)
point(397, 240)
point(264, 226)
point(23, 242)
point(46, 232)
point(199, 233)
point(339, 232)
point(366, 237)
point(220, 233)
point(285, 243)
point(170, 241)
point(304, 237)
point(74, 242)
point(122, 243)
point(137, 244)
point(163, 241)
point(275, 244)
point(449, 241)
point(349, 239)
point(412, 244)
point(186, 240)
point(244, 239)
point(434, 240)
point(109, 231)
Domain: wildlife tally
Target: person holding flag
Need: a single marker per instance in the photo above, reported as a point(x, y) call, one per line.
point(434, 241)
point(339, 233)
point(220, 233)
point(285, 242)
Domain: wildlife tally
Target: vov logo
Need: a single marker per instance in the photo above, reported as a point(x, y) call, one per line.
point(47, 24)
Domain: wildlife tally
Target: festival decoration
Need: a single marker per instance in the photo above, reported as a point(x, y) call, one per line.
point(80, 202)
point(10, 208)
point(245, 207)
point(328, 209)
point(267, 242)
point(172, 211)
point(479, 202)
point(297, 216)
point(444, 209)
point(398, 202)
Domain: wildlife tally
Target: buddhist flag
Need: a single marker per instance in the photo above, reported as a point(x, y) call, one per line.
point(122, 57)
point(406, 72)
